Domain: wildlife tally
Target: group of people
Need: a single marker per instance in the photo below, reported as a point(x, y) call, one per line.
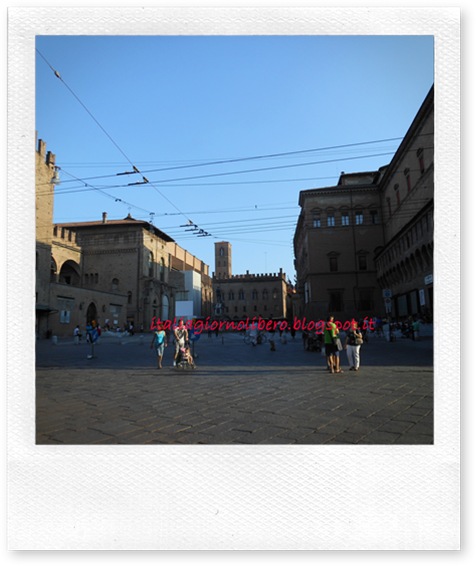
point(333, 345)
point(182, 345)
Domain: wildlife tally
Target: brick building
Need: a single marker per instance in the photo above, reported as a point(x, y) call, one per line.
point(116, 272)
point(337, 235)
point(237, 297)
point(405, 262)
point(365, 246)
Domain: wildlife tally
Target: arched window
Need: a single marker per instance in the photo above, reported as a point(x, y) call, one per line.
point(115, 284)
point(275, 293)
point(265, 294)
point(162, 269)
point(254, 294)
point(241, 295)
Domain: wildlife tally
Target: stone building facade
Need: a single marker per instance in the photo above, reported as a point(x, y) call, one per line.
point(365, 246)
point(116, 272)
point(337, 235)
point(405, 262)
point(238, 297)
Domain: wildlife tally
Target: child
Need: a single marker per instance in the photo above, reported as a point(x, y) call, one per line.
point(159, 341)
point(187, 355)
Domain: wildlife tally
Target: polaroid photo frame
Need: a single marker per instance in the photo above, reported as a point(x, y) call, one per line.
point(230, 497)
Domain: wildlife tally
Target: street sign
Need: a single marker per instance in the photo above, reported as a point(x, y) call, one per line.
point(386, 293)
point(388, 304)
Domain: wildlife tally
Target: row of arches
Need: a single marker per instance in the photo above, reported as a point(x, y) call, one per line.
point(420, 262)
point(69, 274)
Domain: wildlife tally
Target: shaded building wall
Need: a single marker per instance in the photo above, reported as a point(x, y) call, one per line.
point(405, 263)
point(338, 233)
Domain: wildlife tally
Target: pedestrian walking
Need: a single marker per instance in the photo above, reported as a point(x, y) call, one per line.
point(352, 344)
point(159, 342)
point(77, 335)
point(415, 329)
point(181, 338)
point(331, 341)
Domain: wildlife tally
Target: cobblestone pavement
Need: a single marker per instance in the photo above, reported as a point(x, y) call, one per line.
point(238, 394)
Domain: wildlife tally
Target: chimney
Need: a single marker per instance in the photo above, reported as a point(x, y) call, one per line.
point(104, 217)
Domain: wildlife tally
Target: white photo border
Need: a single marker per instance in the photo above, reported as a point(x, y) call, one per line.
point(230, 497)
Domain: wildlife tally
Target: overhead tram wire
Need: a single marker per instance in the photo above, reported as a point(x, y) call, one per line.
point(135, 169)
point(256, 157)
point(268, 156)
point(116, 199)
point(261, 169)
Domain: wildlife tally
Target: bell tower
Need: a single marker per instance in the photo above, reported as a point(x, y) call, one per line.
point(222, 260)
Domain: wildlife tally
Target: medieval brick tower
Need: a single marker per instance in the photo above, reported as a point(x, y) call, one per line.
point(222, 260)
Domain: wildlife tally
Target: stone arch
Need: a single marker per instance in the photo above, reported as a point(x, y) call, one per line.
point(69, 273)
point(91, 313)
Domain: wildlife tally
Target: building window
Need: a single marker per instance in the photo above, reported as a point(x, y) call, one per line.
point(241, 295)
point(162, 269)
point(244, 308)
point(365, 299)
point(359, 217)
point(335, 301)
point(333, 263)
point(275, 294)
point(374, 216)
point(96, 278)
point(316, 218)
point(151, 264)
point(222, 252)
point(307, 292)
point(362, 262)
point(265, 294)
point(331, 221)
point(65, 317)
point(231, 296)
point(255, 308)
point(115, 284)
point(254, 295)
point(345, 219)
point(129, 297)
point(389, 205)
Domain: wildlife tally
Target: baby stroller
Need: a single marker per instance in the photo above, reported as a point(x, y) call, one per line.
point(314, 343)
point(184, 359)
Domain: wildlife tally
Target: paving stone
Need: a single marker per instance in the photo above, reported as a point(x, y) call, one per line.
point(253, 398)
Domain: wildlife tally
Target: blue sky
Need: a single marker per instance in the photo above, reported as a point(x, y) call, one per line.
point(174, 106)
